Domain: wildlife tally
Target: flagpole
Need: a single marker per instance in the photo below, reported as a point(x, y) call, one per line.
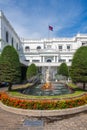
point(48, 33)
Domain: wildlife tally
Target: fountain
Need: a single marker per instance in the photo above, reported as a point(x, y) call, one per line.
point(47, 88)
point(47, 84)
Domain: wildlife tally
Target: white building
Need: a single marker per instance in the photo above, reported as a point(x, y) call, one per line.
point(42, 52)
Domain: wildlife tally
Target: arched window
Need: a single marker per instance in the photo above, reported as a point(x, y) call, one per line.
point(38, 47)
point(27, 48)
point(6, 36)
point(12, 41)
point(49, 60)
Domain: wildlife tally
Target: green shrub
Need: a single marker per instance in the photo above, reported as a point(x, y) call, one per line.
point(10, 70)
point(63, 70)
point(31, 71)
point(78, 71)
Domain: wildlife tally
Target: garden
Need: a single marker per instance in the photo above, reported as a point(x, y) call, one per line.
point(10, 72)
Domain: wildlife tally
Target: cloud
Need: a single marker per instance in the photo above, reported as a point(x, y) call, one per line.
point(30, 18)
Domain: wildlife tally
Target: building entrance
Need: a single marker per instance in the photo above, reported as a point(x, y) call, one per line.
point(49, 60)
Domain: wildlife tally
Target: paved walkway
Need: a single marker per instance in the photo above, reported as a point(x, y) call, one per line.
point(10, 121)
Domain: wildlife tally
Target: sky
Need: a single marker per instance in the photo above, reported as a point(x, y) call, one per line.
point(31, 18)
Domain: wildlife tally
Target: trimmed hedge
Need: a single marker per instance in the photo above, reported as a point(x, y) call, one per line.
point(63, 70)
point(78, 69)
point(31, 71)
point(45, 104)
point(10, 67)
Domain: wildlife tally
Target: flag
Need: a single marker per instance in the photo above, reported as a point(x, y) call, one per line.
point(50, 28)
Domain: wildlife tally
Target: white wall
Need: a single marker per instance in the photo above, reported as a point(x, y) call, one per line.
point(5, 26)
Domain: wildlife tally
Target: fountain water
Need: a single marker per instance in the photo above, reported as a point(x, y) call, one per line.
point(47, 75)
point(47, 84)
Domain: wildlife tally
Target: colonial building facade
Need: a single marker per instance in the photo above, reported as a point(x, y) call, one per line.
point(43, 52)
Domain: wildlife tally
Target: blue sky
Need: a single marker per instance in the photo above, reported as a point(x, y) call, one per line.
point(30, 18)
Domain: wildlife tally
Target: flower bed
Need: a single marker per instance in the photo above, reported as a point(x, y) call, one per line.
point(45, 104)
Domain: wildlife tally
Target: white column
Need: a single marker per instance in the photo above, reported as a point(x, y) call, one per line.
point(30, 60)
point(43, 58)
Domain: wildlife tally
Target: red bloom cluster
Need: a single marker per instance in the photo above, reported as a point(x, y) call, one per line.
point(44, 104)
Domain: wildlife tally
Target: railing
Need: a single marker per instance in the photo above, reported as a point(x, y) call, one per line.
point(44, 63)
point(41, 51)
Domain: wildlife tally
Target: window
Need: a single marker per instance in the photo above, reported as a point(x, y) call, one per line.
point(27, 60)
point(49, 60)
point(27, 48)
point(35, 61)
point(38, 47)
point(60, 47)
point(17, 46)
point(68, 47)
point(83, 44)
point(48, 46)
point(12, 41)
point(70, 60)
point(6, 36)
point(62, 60)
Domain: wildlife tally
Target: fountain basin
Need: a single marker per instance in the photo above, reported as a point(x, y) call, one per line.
point(54, 90)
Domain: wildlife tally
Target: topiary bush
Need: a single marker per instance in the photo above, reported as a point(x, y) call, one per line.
point(63, 70)
point(10, 69)
point(31, 71)
point(78, 71)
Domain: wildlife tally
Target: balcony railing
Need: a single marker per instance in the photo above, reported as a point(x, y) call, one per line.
point(44, 63)
point(45, 51)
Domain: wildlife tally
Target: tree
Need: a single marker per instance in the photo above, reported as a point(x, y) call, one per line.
point(31, 71)
point(78, 71)
point(10, 70)
point(63, 70)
